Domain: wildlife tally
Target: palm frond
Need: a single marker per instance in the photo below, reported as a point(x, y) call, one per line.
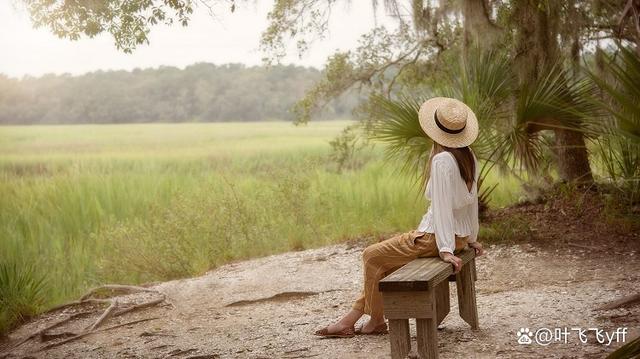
point(628, 351)
point(485, 84)
point(621, 93)
point(397, 126)
point(619, 143)
point(557, 99)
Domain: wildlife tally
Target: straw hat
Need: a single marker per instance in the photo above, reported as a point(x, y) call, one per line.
point(448, 122)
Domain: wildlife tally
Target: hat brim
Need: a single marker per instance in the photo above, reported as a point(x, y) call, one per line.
point(455, 140)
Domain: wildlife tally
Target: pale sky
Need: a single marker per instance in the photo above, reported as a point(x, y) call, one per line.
point(230, 37)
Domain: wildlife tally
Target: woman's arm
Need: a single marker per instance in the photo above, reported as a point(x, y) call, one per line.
point(442, 203)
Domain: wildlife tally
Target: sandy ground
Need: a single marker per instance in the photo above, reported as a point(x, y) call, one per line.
point(269, 307)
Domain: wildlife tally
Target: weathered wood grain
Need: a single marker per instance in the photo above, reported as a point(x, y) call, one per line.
point(443, 304)
point(427, 338)
point(465, 284)
point(403, 305)
point(399, 338)
point(422, 274)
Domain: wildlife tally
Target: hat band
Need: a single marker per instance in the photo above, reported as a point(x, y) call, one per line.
point(447, 130)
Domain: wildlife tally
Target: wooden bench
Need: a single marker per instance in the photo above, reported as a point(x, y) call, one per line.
point(420, 290)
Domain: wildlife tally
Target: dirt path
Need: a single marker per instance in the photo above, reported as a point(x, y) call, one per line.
point(269, 307)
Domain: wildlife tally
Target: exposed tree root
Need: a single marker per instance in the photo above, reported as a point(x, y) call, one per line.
point(42, 333)
point(134, 307)
point(283, 296)
point(622, 302)
point(116, 288)
point(84, 334)
point(114, 309)
point(277, 297)
point(77, 302)
point(104, 316)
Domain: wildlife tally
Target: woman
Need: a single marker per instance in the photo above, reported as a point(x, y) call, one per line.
point(450, 224)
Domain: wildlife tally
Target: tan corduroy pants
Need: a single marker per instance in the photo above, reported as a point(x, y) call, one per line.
point(383, 258)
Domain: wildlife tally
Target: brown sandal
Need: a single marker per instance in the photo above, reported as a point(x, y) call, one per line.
point(379, 330)
point(345, 333)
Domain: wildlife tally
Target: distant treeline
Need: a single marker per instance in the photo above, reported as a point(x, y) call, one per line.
point(201, 92)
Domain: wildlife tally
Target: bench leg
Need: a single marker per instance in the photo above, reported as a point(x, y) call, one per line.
point(400, 338)
point(472, 263)
point(443, 304)
point(467, 294)
point(427, 336)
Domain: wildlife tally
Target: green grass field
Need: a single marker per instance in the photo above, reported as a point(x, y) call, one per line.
point(89, 204)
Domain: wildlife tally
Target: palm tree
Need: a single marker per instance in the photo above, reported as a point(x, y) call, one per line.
point(511, 116)
point(619, 142)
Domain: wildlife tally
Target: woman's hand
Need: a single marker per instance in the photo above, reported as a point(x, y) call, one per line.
point(478, 248)
point(450, 258)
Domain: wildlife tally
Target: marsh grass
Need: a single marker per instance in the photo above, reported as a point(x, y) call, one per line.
point(91, 204)
point(22, 292)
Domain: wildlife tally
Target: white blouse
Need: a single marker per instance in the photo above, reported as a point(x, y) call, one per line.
point(453, 210)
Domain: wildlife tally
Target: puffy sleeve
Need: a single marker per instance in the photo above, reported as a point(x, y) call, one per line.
point(475, 225)
point(442, 204)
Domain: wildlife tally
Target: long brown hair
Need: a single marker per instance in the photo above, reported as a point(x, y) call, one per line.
point(464, 158)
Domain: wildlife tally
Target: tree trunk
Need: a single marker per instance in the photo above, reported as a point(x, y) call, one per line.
point(479, 30)
point(573, 159)
point(532, 29)
point(536, 22)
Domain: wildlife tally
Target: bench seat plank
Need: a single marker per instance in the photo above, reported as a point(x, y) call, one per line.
point(422, 273)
